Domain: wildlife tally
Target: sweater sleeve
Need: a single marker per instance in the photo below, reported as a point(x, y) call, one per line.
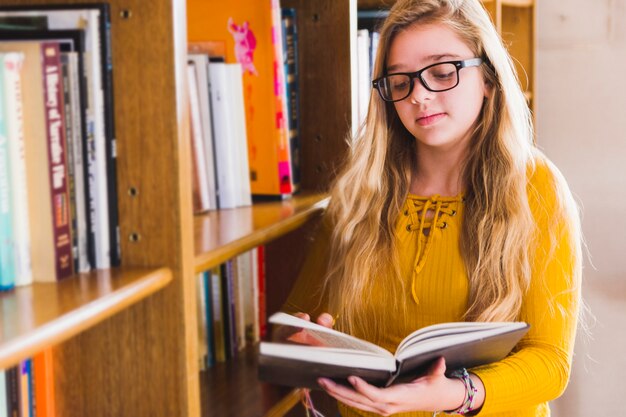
point(539, 369)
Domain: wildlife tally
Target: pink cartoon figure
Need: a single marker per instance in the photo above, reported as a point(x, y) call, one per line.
point(245, 44)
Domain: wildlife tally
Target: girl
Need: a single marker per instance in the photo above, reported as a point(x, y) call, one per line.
point(446, 211)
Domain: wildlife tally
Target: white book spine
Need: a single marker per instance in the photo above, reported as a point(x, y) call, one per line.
point(238, 114)
point(79, 170)
point(202, 78)
point(197, 136)
point(223, 134)
point(4, 406)
point(15, 125)
point(363, 50)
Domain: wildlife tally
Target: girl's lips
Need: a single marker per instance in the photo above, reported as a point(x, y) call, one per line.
point(431, 119)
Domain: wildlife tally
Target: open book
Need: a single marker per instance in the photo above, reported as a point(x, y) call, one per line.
point(301, 351)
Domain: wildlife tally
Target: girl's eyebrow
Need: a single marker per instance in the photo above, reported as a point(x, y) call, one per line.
point(430, 58)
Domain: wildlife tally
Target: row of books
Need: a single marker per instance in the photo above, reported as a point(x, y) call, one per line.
point(231, 307)
point(58, 190)
point(242, 72)
point(27, 389)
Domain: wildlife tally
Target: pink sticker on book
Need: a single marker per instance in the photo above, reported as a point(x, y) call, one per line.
point(245, 44)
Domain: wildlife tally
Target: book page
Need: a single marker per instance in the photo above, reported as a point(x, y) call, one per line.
point(451, 333)
point(443, 329)
point(289, 329)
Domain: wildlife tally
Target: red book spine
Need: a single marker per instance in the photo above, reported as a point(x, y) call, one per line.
point(55, 122)
point(262, 304)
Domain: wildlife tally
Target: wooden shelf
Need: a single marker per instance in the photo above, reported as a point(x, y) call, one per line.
point(40, 315)
point(232, 389)
point(222, 234)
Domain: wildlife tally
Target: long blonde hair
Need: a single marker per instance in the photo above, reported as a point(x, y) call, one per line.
point(498, 226)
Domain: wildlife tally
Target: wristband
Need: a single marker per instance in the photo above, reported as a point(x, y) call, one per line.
point(470, 393)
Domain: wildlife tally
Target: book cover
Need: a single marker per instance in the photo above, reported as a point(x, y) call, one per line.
point(4, 406)
point(218, 314)
point(43, 371)
point(201, 61)
point(13, 394)
point(15, 130)
point(203, 349)
point(224, 136)
point(208, 314)
point(290, 51)
point(200, 180)
point(316, 351)
point(247, 28)
point(57, 156)
point(36, 157)
point(7, 249)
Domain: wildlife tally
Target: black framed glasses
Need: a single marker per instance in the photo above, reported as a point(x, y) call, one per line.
point(442, 76)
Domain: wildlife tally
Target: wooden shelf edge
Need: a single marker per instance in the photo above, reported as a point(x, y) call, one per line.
point(82, 318)
point(285, 404)
point(258, 237)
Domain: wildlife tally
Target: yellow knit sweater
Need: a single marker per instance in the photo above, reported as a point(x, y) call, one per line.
point(437, 291)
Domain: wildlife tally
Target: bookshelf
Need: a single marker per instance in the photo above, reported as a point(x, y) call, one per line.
point(45, 314)
point(515, 21)
point(125, 340)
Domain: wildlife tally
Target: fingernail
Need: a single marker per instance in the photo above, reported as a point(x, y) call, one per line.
point(322, 383)
point(352, 380)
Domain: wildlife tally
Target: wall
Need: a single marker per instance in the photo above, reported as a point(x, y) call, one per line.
point(581, 125)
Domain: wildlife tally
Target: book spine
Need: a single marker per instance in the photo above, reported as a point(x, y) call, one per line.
point(79, 135)
point(44, 383)
point(228, 310)
point(69, 156)
point(7, 252)
point(98, 178)
point(254, 262)
point(284, 165)
point(208, 311)
point(57, 156)
point(262, 311)
point(218, 314)
point(290, 42)
point(223, 135)
point(238, 122)
point(4, 396)
point(24, 375)
point(15, 124)
point(109, 125)
point(201, 322)
point(198, 153)
point(13, 391)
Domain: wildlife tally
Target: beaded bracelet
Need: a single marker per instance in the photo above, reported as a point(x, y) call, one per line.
point(470, 392)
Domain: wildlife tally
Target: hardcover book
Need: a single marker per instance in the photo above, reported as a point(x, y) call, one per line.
point(253, 38)
point(301, 351)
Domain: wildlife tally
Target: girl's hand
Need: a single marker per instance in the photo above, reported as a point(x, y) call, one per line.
point(303, 337)
point(431, 392)
point(323, 319)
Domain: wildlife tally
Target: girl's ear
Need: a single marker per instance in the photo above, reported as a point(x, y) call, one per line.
point(488, 89)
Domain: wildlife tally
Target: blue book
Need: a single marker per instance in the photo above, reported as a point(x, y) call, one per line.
point(290, 58)
point(208, 295)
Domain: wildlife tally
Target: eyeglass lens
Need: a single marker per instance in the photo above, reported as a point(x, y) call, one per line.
point(440, 77)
